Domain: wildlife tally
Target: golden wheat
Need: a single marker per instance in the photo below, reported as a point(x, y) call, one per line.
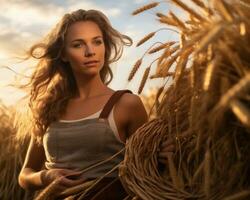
point(144, 8)
point(189, 10)
point(146, 38)
point(135, 69)
point(156, 49)
point(177, 21)
point(222, 7)
point(144, 79)
point(208, 102)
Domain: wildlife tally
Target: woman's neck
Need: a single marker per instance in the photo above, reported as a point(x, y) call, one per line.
point(91, 87)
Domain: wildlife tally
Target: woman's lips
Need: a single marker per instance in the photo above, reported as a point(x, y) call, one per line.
point(90, 63)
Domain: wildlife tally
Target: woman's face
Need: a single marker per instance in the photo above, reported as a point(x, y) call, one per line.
point(84, 48)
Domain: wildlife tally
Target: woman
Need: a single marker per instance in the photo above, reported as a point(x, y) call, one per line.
point(77, 120)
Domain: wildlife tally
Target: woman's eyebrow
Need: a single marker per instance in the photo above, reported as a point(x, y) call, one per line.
point(82, 40)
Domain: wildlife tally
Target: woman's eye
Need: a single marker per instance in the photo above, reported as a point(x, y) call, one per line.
point(98, 42)
point(77, 45)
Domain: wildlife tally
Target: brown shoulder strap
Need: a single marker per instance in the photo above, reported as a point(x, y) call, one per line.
point(111, 102)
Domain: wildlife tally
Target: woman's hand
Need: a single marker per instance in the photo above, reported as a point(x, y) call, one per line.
point(64, 178)
point(172, 144)
point(168, 146)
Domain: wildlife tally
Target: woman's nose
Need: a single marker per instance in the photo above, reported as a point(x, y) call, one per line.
point(89, 51)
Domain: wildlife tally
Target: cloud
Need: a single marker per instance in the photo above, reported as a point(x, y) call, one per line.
point(139, 1)
point(13, 41)
point(25, 14)
point(134, 32)
point(10, 43)
point(24, 22)
point(3, 54)
point(87, 5)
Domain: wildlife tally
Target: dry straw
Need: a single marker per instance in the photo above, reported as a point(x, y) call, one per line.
point(206, 108)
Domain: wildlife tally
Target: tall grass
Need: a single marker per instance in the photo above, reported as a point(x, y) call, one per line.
point(11, 158)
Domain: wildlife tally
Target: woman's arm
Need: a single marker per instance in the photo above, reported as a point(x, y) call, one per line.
point(30, 175)
point(137, 116)
point(136, 112)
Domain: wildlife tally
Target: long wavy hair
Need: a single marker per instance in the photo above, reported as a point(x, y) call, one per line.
point(52, 83)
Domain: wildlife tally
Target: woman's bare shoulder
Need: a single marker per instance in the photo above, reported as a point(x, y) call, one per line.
point(133, 111)
point(133, 104)
point(130, 100)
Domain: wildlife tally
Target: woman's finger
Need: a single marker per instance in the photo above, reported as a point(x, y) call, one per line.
point(66, 172)
point(69, 183)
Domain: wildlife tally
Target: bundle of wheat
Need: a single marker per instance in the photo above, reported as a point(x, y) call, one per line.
point(206, 109)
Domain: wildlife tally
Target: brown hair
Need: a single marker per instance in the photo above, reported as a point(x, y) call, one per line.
point(52, 83)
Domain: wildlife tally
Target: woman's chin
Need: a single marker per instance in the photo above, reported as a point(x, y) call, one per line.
point(90, 73)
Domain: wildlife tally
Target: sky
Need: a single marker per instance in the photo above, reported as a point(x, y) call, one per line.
point(25, 22)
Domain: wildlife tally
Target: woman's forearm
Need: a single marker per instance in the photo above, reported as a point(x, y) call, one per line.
point(31, 180)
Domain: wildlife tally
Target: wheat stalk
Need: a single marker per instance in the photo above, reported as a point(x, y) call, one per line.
point(180, 67)
point(221, 6)
point(200, 4)
point(209, 73)
point(245, 194)
point(144, 79)
point(181, 25)
point(189, 10)
point(145, 38)
point(164, 67)
point(160, 47)
point(241, 111)
point(76, 189)
point(207, 173)
point(212, 35)
point(48, 192)
point(168, 21)
point(144, 8)
point(135, 69)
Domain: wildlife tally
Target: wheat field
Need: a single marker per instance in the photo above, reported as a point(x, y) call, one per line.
point(206, 110)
